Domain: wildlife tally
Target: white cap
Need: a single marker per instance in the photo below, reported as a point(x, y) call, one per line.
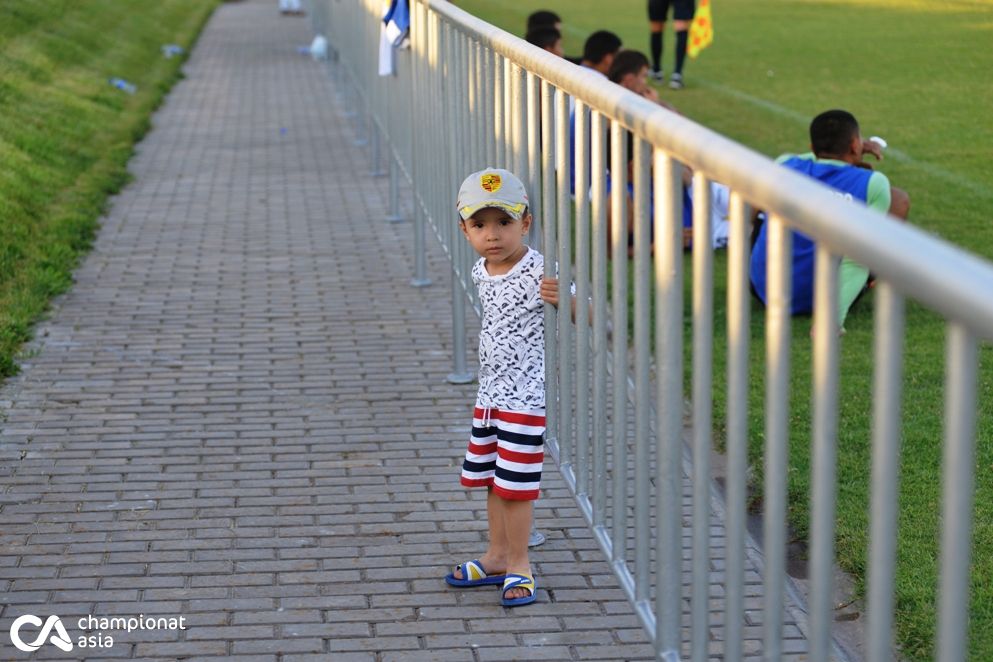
point(493, 187)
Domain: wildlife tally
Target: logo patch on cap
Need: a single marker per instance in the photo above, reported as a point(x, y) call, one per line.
point(491, 182)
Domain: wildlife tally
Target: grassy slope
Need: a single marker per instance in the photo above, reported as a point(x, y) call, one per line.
point(917, 76)
point(66, 134)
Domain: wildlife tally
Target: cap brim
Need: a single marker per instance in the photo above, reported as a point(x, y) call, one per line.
point(515, 210)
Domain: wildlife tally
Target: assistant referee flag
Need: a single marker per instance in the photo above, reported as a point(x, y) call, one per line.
point(702, 30)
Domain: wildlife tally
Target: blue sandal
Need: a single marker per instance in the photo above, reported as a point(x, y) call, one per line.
point(473, 574)
point(518, 581)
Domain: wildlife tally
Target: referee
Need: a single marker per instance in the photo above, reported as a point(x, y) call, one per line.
point(682, 17)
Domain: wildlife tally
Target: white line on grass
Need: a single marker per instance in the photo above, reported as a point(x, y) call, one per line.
point(897, 155)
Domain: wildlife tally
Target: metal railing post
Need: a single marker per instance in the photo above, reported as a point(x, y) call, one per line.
point(642, 377)
point(519, 136)
point(886, 394)
point(619, 318)
point(824, 460)
point(564, 252)
point(738, 338)
point(497, 128)
point(548, 246)
point(394, 214)
point(582, 177)
point(360, 120)
point(452, 95)
point(472, 104)
point(377, 166)
point(957, 483)
point(777, 316)
point(418, 30)
point(534, 155)
point(508, 115)
point(669, 403)
point(598, 216)
point(703, 343)
point(489, 60)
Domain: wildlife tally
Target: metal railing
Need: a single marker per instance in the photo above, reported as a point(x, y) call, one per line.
point(467, 95)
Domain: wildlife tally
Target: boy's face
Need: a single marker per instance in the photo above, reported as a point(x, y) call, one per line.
point(637, 83)
point(556, 49)
point(496, 235)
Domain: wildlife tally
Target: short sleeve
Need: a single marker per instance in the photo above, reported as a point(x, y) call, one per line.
point(476, 273)
point(878, 196)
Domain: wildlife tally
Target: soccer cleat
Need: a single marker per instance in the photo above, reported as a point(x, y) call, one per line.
point(658, 76)
point(676, 82)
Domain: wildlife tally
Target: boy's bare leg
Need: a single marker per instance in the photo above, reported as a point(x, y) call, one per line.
point(509, 527)
point(517, 528)
point(495, 559)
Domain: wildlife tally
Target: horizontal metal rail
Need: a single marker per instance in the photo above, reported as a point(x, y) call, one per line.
point(466, 95)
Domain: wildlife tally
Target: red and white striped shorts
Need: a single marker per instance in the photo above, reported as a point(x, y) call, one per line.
point(505, 452)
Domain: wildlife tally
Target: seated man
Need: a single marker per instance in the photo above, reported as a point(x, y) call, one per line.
point(837, 161)
point(538, 23)
point(543, 18)
point(547, 38)
point(599, 51)
point(630, 70)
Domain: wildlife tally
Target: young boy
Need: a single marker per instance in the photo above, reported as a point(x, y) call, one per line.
point(506, 447)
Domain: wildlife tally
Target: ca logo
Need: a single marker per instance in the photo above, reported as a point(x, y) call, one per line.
point(60, 638)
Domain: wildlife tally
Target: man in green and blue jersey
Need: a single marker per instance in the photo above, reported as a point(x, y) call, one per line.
point(837, 160)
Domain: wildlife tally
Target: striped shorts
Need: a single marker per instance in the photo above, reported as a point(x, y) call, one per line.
point(505, 452)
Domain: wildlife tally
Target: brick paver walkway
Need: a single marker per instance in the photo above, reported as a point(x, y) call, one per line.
point(239, 415)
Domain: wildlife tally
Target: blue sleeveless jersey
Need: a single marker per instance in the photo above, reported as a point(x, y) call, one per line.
point(850, 182)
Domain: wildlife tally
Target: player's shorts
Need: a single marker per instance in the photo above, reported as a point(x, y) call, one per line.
point(505, 452)
point(682, 10)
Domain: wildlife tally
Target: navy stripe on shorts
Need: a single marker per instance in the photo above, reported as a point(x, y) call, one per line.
point(506, 451)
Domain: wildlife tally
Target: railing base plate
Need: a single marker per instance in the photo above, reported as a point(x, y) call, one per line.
point(460, 378)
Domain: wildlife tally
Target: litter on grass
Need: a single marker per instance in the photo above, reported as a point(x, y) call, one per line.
point(124, 85)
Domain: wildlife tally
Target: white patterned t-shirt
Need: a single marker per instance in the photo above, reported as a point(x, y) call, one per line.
point(512, 336)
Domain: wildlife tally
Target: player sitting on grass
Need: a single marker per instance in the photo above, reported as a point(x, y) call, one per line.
point(548, 38)
point(837, 159)
point(599, 51)
point(537, 22)
point(630, 70)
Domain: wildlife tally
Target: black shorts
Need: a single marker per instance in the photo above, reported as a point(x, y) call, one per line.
point(682, 10)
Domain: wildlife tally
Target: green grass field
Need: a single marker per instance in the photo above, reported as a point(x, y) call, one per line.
point(916, 73)
point(66, 134)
